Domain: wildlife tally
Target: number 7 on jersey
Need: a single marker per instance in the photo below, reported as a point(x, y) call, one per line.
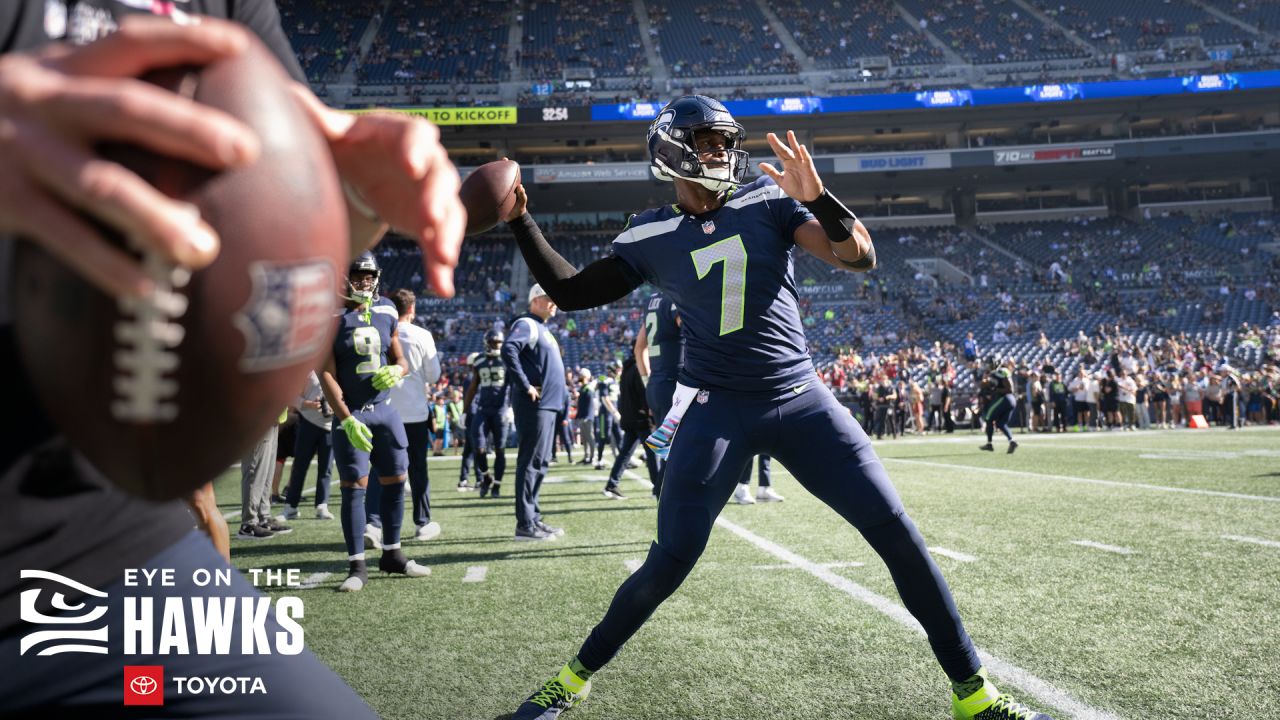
point(733, 253)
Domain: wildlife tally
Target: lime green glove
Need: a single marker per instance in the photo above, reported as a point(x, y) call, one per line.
point(388, 376)
point(358, 434)
point(284, 417)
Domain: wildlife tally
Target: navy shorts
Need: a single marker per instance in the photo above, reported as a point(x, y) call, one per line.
point(390, 456)
point(804, 428)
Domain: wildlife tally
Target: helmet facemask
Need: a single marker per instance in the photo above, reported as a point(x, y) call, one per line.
point(362, 286)
point(674, 152)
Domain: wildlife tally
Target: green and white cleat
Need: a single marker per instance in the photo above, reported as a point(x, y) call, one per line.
point(988, 704)
point(558, 694)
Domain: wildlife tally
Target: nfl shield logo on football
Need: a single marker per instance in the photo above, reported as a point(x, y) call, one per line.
point(702, 397)
point(288, 315)
point(708, 227)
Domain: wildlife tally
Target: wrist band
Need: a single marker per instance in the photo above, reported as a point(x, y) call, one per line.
point(836, 219)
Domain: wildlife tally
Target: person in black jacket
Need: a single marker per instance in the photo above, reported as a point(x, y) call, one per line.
point(636, 425)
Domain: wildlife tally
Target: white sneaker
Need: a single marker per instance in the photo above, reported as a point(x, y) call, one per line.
point(633, 463)
point(353, 583)
point(413, 569)
point(742, 495)
point(427, 532)
point(322, 513)
point(290, 513)
point(372, 537)
point(766, 494)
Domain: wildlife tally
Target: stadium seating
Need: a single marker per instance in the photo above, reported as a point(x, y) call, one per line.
point(1141, 24)
point(324, 45)
point(993, 31)
point(597, 34)
point(420, 43)
point(730, 37)
point(835, 36)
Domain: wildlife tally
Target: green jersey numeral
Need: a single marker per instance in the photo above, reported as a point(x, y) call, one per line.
point(733, 253)
point(651, 330)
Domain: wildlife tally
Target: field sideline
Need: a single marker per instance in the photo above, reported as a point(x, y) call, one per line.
point(1107, 575)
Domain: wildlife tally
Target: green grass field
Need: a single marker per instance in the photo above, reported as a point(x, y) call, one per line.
point(790, 615)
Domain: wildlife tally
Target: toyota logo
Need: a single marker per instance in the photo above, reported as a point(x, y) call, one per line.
point(143, 685)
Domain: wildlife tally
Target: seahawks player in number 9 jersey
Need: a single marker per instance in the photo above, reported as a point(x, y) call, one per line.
point(724, 255)
point(366, 363)
point(486, 400)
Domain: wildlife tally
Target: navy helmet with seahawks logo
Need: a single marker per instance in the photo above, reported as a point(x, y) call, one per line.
point(493, 340)
point(367, 290)
point(673, 154)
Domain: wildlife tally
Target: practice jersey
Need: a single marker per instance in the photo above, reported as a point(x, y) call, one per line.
point(666, 348)
point(731, 273)
point(359, 349)
point(491, 393)
point(607, 387)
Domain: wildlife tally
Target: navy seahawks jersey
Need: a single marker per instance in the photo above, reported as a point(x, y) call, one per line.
point(666, 348)
point(359, 349)
point(491, 394)
point(607, 387)
point(731, 273)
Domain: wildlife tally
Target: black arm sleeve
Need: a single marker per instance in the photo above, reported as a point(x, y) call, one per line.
point(599, 283)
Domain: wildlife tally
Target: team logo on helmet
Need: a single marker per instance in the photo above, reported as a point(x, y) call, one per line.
point(674, 154)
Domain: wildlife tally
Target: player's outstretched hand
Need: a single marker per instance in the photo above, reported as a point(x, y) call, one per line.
point(522, 203)
point(387, 377)
point(395, 162)
point(358, 434)
point(798, 178)
point(56, 104)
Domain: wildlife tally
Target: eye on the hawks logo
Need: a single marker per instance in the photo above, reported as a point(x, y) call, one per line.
point(288, 314)
point(75, 627)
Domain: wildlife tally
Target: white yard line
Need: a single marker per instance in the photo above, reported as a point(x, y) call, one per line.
point(633, 565)
point(1254, 540)
point(1090, 481)
point(1040, 689)
point(828, 566)
point(1103, 547)
point(957, 556)
point(644, 482)
point(476, 573)
point(313, 580)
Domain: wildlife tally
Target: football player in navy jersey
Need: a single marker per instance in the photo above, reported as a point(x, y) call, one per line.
point(366, 363)
point(607, 430)
point(487, 400)
point(723, 253)
point(659, 353)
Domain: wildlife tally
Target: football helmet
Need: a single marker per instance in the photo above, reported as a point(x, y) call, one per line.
point(366, 289)
point(493, 340)
point(673, 154)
